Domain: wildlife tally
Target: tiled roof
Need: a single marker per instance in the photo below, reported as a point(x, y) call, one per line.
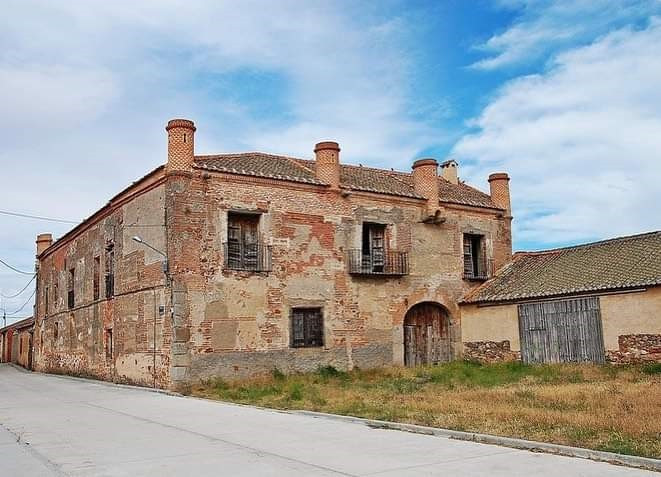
point(619, 263)
point(258, 164)
point(351, 177)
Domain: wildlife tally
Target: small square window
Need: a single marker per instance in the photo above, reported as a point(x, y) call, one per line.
point(307, 327)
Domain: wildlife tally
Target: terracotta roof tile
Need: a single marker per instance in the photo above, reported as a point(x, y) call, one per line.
point(351, 177)
point(619, 263)
point(258, 164)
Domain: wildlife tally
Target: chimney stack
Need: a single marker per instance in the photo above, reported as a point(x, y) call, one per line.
point(181, 148)
point(500, 191)
point(449, 171)
point(425, 183)
point(327, 158)
point(43, 242)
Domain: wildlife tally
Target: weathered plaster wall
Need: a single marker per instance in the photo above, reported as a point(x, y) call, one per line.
point(490, 324)
point(630, 313)
point(239, 322)
point(75, 341)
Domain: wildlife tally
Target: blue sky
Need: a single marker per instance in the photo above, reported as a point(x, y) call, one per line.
point(562, 95)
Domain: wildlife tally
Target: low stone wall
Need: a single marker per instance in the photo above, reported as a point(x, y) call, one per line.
point(641, 348)
point(490, 351)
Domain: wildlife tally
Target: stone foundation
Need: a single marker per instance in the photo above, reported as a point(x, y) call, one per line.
point(643, 348)
point(243, 364)
point(490, 351)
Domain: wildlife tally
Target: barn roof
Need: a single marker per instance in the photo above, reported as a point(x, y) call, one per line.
point(620, 263)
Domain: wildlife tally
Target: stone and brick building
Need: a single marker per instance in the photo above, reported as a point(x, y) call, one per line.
point(236, 264)
point(593, 302)
point(16, 343)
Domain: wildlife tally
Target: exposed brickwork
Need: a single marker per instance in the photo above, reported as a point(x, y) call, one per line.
point(181, 134)
point(328, 163)
point(636, 349)
point(500, 191)
point(73, 340)
point(235, 322)
point(490, 351)
point(425, 182)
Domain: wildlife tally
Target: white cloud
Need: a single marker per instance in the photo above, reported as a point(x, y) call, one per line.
point(543, 26)
point(88, 86)
point(581, 141)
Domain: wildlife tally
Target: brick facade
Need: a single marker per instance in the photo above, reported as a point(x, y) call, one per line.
point(224, 321)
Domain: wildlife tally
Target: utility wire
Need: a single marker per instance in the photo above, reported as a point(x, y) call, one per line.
point(22, 289)
point(23, 305)
point(37, 217)
point(15, 269)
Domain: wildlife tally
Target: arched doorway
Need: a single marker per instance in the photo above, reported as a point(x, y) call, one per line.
point(426, 335)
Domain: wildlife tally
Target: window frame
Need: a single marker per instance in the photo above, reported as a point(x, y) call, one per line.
point(307, 314)
point(474, 249)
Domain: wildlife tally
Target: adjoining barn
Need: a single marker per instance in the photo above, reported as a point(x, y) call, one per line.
point(16, 343)
point(595, 302)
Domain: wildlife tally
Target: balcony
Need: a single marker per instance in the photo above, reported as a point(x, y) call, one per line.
point(390, 263)
point(479, 270)
point(250, 257)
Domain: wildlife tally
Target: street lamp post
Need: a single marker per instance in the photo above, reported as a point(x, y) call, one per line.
point(139, 240)
point(146, 244)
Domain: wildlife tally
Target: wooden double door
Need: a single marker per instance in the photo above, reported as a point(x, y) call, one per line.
point(561, 331)
point(426, 335)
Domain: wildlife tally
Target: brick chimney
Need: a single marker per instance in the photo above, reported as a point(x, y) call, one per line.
point(499, 183)
point(327, 158)
point(43, 242)
point(449, 171)
point(425, 183)
point(181, 150)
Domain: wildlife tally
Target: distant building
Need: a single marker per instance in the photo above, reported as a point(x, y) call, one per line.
point(16, 343)
point(272, 262)
point(593, 302)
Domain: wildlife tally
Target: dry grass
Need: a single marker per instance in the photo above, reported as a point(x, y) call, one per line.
point(615, 409)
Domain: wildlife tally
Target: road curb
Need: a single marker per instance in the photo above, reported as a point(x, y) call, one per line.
point(533, 446)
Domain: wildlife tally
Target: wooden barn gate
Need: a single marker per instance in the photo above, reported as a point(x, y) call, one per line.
point(562, 331)
point(426, 335)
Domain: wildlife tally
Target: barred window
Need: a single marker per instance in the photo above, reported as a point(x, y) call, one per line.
point(307, 327)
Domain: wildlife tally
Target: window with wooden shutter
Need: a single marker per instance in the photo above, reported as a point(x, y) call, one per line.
point(475, 258)
point(71, 298)
point(374, 246)
point(110, 271)
point(243, 248)
point(307, 327)
point(96, 277)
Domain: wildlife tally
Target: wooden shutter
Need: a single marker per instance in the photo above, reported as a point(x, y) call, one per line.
point(307, 327)
point(314, 328)
point(298, 328)
point(468, 256)
point(242, 241)
point(377, 246)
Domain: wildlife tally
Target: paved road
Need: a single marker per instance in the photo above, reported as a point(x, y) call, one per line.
point(74, 427)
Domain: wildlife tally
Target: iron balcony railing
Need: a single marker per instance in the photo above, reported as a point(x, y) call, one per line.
point(390, 263)
point(483, 271)
point(252, 257)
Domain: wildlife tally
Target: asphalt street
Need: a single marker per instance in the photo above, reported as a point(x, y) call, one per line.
point(55, 426)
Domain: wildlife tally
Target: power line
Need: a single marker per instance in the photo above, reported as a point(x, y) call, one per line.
point(23, 305)
point(22, 289)
point(15, 269)
point(37, 217)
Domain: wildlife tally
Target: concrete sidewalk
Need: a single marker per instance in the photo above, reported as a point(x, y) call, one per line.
point(71, 427)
